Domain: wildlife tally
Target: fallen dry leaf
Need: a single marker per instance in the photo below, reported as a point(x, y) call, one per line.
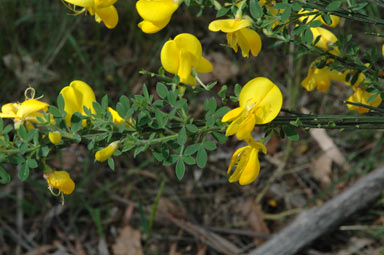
point(28, 71)
point(321, 169)
point(128, 242)
point(224, 69)
point(255, 217)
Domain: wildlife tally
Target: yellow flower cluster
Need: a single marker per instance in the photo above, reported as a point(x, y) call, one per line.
point(260, 102)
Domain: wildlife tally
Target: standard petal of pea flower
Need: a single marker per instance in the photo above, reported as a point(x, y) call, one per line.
point(103, 10)
point(104, 154)
point(156, 14)
point(246, 162)
point(260, 103)
point(182, 55)
point(238, 34)
point(77, 95)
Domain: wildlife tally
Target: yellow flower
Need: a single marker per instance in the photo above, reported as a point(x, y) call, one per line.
point(77, 95)
point(382, 49)
point(361, 96)
point(260, 103)
point(327, 38)
point(238, 34)
point(54, 137)
point(335, 20)
point(60, 180)
point(246, 162)
point(103, 10)
point(104, 154)
point(26, 111)
point(182, 55)
point(156, 14)
point(321, 78)
point(117, 119)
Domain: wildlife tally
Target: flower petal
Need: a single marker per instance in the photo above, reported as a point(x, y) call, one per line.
point(204, 66)
point(265, 96)
point(153, 27)
point(81, 3)
point(104, 3)
point(85, 94)
point(169, 57)
point(235, 158)
point(232, 114)
point(185, 67)
point(31, 106)
point(251, 170)
point(249, 40)
point(109, 16)
point(156, 11)
point(246, 127)
point(228, 25)
point(62, 181)
point(191, 44)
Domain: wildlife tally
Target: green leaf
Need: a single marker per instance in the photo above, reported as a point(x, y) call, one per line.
point(308, 36)
point(296, 7)
point(201, 157)
point(4, 176)
point(180, 169)
point(315, 23)
point(32, 163)
point(327, 18)
point(191, 149)
point(255, 9)
point(222, 11)
point(192, 128)
point(189, 160)
point(161, 90)
point(23, 133)
point(7, 129)
point(286, 14)
point(237, 90)
point(182, 137)
point(23, 172)
point(60, 102)
point(139, 149)
point(299, 29)
point(209, 145)
point(222, 111)
point(111, 163)
point(291, 132)
point(333, 6)
point(220, 137)
point(210, 105)
point(104, 102)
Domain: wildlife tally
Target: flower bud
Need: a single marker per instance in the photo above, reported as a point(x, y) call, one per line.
point(54, 137)
point(104, 154)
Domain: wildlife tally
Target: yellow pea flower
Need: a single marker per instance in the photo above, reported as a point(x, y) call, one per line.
point(246, 162)
point(320, 78)
point(26, 111)
point(77, 95)
point(260, 103)
point(327, 38)
point(54, 137)
point(335, 20)
point(156, 14)
point(182, 55)
point(103, 10)
point(117, 119)
point(104, 154)
point(60, 180)
point(361, 96)
point(382, 49)
point(238, 34)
